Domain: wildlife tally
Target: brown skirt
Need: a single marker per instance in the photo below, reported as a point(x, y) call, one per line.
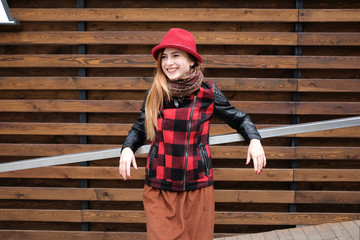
point(184, 215)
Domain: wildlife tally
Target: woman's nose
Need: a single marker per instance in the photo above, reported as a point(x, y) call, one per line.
point(169, 61)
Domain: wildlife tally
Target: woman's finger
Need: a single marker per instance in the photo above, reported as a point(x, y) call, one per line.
point(255, 161)
point(264, 161)
point(134, 163)
point(248, 158)
point(128, 163)
point(122, 169)
point(260, 162)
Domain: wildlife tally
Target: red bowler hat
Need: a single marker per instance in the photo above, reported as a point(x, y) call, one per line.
point(180, 39)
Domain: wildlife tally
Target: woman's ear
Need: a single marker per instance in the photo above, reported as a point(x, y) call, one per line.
point(192, 63)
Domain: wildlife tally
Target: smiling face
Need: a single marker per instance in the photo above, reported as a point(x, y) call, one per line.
point(175, 62)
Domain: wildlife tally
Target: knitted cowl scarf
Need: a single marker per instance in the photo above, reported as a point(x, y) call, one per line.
point(186, 84)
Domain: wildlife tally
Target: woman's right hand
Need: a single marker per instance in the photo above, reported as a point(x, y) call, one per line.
point(126, 159)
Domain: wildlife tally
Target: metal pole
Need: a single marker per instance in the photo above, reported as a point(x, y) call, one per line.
point(295, 119)
point(214, 140)
point(84, 183)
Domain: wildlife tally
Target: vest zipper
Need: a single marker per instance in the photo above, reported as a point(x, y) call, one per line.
point(187, 139)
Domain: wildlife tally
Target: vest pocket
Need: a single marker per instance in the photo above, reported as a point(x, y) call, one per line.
point(204, 158)
point(152, 154)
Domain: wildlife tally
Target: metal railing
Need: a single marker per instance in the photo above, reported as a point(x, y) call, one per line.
point(214, 140)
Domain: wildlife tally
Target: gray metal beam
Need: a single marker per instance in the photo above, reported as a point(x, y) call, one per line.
point(214, 140)
point(6, 17)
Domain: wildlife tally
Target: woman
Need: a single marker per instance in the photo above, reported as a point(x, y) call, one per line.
point(178, 195)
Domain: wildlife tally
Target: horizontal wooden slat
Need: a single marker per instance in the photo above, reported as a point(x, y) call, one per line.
point(127, 194)
point(43, 215)
point(121, 216)
point(275, 218)
point(210, 61)
point(328, 197)
point(221, 152)
point(254, 196)
point(329, 15)
point(351, 132)
point(327, 175)
point(73, 173)
point(143, 83)
point(221, 174)
point(128, 106)
point(239, 196)
point(265, 107)
point(301, 108)
point(140, 83)
point(75, 194)
point(94, 129)
point(121, 129)
point(144, 61)
point(187, 15)
point(201, 38)
point(137, 216)
point(76, 60)
point(331, 108)
point(329, 39)
point(91, 37)
point(83, 235)
point(8, 149)
point(253, 84)
point(75, 83)
point(146, 37)
point(330, 153)
point(329, 62)
point(118, 106)
point(239, 174)
point(134, 106)
point(328, 85)
point(156, 14)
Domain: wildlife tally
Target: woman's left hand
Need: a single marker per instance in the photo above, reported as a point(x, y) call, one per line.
point(256, 152)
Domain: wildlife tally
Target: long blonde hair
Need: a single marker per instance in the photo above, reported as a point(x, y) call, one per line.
point(158, 93)
point(155, 99)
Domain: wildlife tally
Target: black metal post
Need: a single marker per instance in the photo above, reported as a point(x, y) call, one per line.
point(295, 119)
point(84, 183)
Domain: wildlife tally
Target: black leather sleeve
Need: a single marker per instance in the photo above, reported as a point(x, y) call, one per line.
point(137, 135)
point(234, 117)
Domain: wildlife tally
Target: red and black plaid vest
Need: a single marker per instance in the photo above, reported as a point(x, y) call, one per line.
point(179, 158)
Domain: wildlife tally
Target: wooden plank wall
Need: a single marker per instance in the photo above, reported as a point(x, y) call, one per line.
point(73, 80)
